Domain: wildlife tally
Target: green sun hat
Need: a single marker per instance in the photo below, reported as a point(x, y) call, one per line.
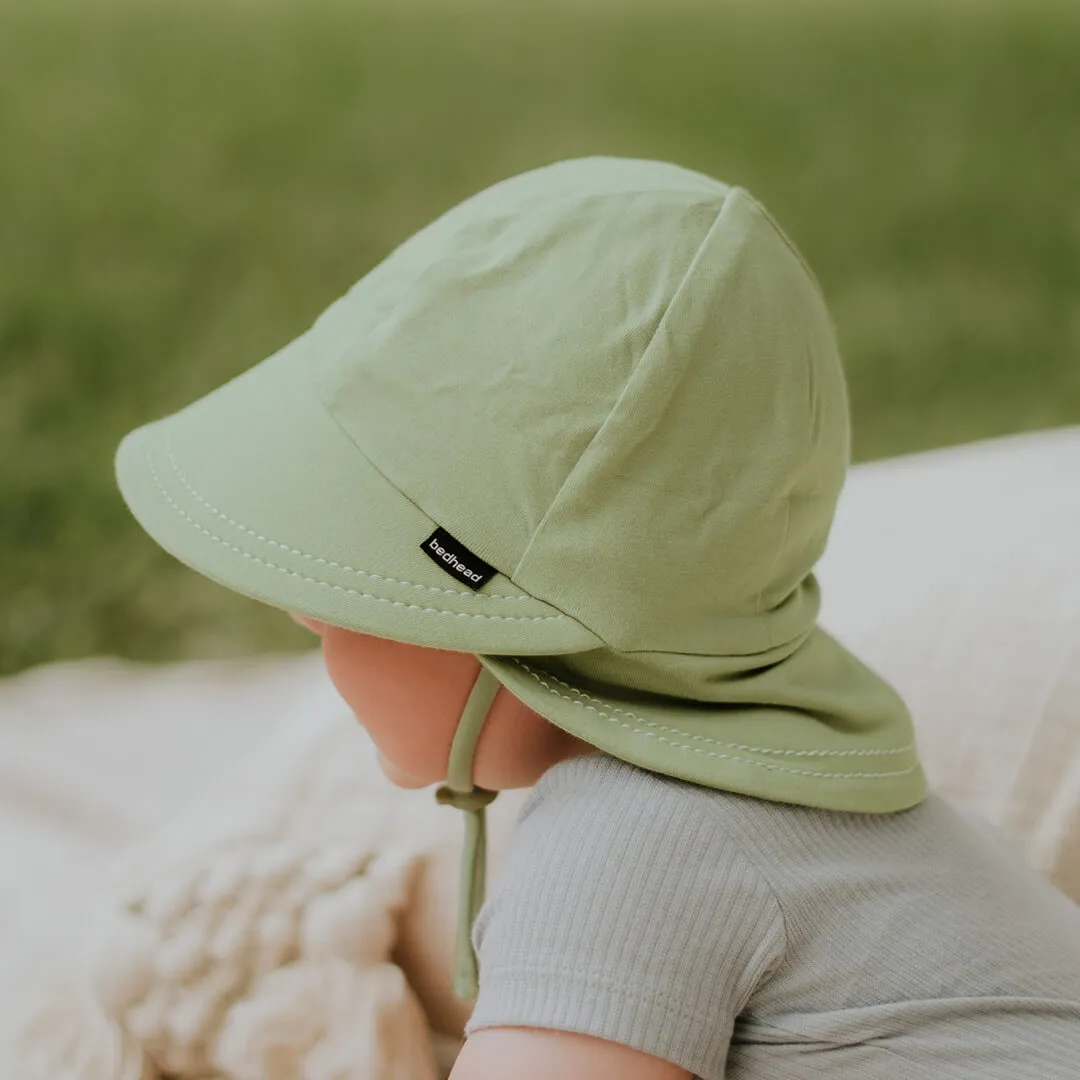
point(590, 425)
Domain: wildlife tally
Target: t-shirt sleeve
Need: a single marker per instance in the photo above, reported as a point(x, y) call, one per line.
point(625, 910)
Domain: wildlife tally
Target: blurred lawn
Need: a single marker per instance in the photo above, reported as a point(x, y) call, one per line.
point(185, 185)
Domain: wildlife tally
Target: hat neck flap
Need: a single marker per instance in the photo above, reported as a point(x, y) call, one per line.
point(803, 722)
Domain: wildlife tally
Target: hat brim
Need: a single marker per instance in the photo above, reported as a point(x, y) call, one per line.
point(256, 487)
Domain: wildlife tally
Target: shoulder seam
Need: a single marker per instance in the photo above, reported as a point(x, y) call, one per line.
point(759, 875)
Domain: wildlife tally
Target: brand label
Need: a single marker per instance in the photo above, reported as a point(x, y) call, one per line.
point(455, 558)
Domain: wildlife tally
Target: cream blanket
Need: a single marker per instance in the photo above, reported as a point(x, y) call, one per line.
point(206, 875)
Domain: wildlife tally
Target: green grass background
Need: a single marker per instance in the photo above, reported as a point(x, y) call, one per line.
point(185, 185)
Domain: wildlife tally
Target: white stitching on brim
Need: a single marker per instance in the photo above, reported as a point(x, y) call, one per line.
point(330, 585)
point(717, 742)
point(318, 558)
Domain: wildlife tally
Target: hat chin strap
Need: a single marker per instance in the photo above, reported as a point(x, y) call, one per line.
point(460, 792)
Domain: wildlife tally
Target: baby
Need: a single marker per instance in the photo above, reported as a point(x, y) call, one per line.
point(550, 482)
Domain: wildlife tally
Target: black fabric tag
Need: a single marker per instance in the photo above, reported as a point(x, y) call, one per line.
point(455, 558)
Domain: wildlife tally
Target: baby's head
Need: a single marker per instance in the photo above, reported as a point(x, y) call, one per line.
point(409, 698)
point(579, 441)
point(581, 438)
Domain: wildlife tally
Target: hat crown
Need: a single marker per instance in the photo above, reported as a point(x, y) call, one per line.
point(616, 381)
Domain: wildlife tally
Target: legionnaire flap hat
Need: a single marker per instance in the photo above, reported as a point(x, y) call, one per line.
point(590, 425)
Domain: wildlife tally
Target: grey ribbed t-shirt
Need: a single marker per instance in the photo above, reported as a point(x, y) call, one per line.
point(754, 940)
